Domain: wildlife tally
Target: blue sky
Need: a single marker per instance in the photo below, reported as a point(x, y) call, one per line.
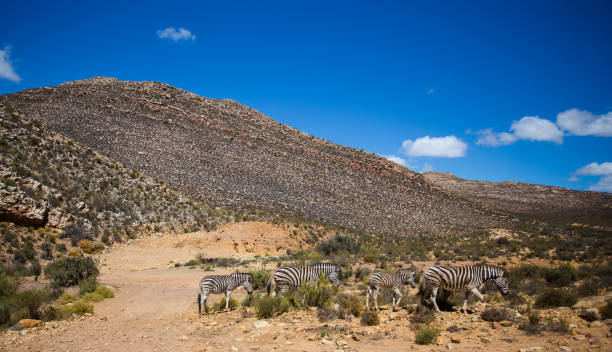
point(520, 90)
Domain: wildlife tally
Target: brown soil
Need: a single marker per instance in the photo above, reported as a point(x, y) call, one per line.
point(155, 309)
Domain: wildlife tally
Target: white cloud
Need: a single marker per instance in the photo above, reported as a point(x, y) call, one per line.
point(427, 167)
point(446, 147)
point(396, 159)
point(431, 91)
point(6, 69)
point(584, 123)
point(573, 179)
point(172, 34)
point(604, 184)
point(596, 169)
point(537, 129)
point(494, 139)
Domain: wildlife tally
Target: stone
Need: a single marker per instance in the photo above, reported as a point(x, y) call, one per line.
point(30, 323)
point(596, 324)
point(313, 338)
point(579, 337)
point(506, 323)
point(486, 340)
point(258, 324)
point(455, 339)
point(495, 325)
point(234, 349)
point(565, 348)
point(326, 342)
point(355, 337)
point(450, 346)
point(535, 348)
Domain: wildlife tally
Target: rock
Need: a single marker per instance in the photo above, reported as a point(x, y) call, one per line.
point(455, 339)
point(341, 343)
point(234, 349)
point(355, 337)
point(572, 326)
point(326, 342)
point(378, 337)
point(579, 337)
point(595, 341)
point(495, 325)
point(535, 348)
point(596, 324)
point(506, 323)
point(608, 321)
point(450, 346)
point(565, 348)
point(486, 340)
point(258, 324)
point(313, 338)
point(30, 323)
point(20, 209)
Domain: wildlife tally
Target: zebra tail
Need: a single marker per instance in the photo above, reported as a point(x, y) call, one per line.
point(422, 289)
point(199, 303)
point(269, 285)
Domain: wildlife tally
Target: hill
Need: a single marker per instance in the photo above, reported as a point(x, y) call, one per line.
point(223, 152)
point(532, 201)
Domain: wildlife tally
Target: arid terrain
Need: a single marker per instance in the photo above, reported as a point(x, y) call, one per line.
point(155, 309)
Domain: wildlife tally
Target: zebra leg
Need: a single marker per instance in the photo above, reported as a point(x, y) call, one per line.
point(203, 302)
point(477, 294)
point(434, 293)
point(467, 294)
point(368, 298)
point(228, 293)
point(397, 292)
point(376, 299)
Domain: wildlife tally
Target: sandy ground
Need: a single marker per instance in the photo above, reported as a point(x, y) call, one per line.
point(155, 309)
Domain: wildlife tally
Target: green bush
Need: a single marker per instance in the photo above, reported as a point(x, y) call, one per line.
point(369, 318)
point(351, 304)
point(552, 298)
point(66, 298)
point(78, 308)
point(193, 262)
point(219, 306)
point(532, 324)
point(562, 276)
point(268, 307)
point(260, 278)
point(53, 313)
point(105, 292)
point(338, 243)
point(318, 294)
point(71, 270)
point(31, 301)
point(94, 297)
point(250, 300)
point(426, 336)
point(87, 285)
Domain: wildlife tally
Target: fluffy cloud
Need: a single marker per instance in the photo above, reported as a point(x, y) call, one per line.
point(446, 147)
point(494, 139)
point(427, 167)
point(537, 129)
point(396, 159)
point(584, 123)
point(595, 169)
point(6, 69)
point(172, 34)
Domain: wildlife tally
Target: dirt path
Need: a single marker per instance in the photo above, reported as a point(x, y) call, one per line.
point(154, 309)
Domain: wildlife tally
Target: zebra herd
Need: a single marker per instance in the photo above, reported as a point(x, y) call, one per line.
point(452, 278)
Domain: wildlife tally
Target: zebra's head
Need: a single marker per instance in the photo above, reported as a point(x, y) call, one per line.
point(407, 277)
point(248, 284)
point(334, 274)
point(501, 282)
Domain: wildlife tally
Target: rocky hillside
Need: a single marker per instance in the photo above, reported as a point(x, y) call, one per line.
point(534, 201)
point(48, 180)
point(224, 152)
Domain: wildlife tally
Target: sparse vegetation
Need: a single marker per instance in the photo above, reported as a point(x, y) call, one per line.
point(369, 318)
point(71, 270)
point(496, 314)
point(268, 307)
point(426, 335)
point(556, 297)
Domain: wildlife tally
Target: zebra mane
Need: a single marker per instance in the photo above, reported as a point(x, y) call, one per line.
point(242, 276)
point(491, 271)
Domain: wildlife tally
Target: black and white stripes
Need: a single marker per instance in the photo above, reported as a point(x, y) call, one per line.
point(468, 277)
point(222, 283)
point(393, 281)
point(296, 276)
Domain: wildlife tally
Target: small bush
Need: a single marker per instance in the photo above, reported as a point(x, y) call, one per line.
point(53, 313)
point(426, 336)
point(71, 270)
point(318, 294)
point(532, 325)
point(268, 307)
point(193, 262)
point(94, 297)
point(589, 314)
point(338, 243)
point(589, 287)
point(250, 300)
point(423, 315)
point(560, 326)
point(369, 318)
point(87, 285)
point(326, 314)
point(66, 298)
point(78, 308)
point(73, 253)
point(352, 304)
point(496, 314)
point(606, 311)
point(562, 276)
point(552, 298)
point(260, 278)
point(232, 304)
point(31, 301)
point(86, 246)
point(369, 258)
point(105, 292)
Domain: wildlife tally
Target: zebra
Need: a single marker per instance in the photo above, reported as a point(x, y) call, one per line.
point(296, 276)
point(222, 283)
point(393, 281)
point(468, 277)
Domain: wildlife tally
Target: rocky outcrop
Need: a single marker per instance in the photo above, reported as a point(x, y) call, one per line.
point(20, 209)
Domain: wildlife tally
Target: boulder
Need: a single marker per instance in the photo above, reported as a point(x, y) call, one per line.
point(18, 208)
point(30, 323)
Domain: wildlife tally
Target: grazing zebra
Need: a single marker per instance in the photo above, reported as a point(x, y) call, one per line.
point(296, 276)
point(393, 281)
point(468, 277)
point(222, 283)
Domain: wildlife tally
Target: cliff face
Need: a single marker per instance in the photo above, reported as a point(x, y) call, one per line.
point(531, 201)
point(224, 152)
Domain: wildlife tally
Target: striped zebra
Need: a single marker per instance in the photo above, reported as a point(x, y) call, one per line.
point(468, 277)
point(393, 281)
point(296, 276)
point(222, 283)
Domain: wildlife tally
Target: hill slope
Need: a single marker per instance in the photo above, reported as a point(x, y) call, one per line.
point(224, 152)
point(533, 201)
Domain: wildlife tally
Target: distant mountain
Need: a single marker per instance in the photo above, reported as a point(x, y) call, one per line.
point(229, 154)
point(531, 201)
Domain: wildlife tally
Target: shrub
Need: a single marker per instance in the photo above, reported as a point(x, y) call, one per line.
point(338, 243)
point(495, 314)
point(552, 298)
point(232, 304)
point(589, 314)
point(589, 287)
point(78, 308)
point(193, 262)
point(105, 292)
point(31, 301)
point(560, 326)
point(71, 270)
point(268, 307)
point(87, 285)
point(73, 253)
point(92, 297)
point(250, 300)
point(562, 276)
point(66, 298)
point(532, 324)
point(422, 315)
point(362, 273)
point(318, 294)
point(98, 247)
point(352, 304)
point(326, 314)
point(53, 313)
point(369, 318)
point(60, 247)
point(260, 278)
point(425, 336)
point(86, 246)
point(75, 232)
point(606, 311)
point(369, 258)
